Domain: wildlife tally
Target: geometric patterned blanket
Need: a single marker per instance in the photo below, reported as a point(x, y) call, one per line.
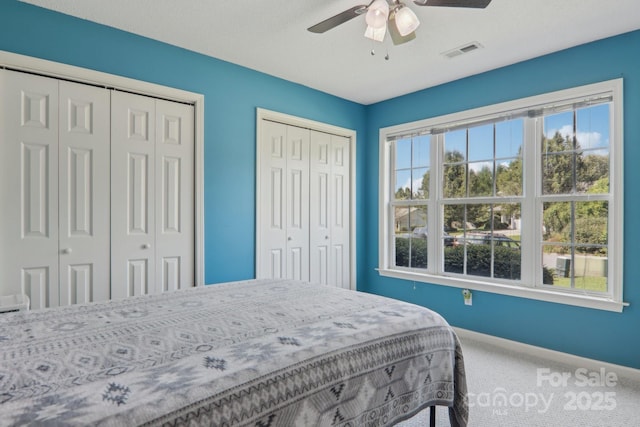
point(253, 353)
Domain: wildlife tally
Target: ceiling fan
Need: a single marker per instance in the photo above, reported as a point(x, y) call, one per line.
point(392, 15)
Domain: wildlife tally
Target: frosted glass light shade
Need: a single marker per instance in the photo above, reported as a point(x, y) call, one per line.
point(375, 34)
point(377, 14)
point(406, 21)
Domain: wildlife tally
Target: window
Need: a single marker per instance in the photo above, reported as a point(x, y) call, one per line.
point(522, 198)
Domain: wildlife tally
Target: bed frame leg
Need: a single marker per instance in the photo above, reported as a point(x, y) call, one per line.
point(432, 416)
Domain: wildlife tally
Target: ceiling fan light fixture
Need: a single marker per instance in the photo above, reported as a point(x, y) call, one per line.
point(406, 21)
point(375, 34)
point(377, 14)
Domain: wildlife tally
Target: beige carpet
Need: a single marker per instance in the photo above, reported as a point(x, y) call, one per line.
point(508, 389)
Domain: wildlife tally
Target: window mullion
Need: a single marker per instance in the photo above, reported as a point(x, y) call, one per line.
point(434, 209)
point(531, 209)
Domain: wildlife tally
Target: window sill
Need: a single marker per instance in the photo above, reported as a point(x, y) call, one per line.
point(587, 301)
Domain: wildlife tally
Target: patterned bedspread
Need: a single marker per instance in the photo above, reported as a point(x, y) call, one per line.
point(255, 353)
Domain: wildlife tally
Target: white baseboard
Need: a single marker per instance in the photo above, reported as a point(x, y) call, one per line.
point(552, 355)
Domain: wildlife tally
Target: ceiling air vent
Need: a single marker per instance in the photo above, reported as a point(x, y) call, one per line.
point(469, 47)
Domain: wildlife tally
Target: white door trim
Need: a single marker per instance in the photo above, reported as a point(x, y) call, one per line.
point(264, 114)
point(47, 68)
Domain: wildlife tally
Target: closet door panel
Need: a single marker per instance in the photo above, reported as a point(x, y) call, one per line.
point(297, 203)
point(339, 215)
point(329, 209)
point(320, 208)
point(272, 212)
point(132, 195)
point(174, 196)
point(84, 193)
point(29, 187)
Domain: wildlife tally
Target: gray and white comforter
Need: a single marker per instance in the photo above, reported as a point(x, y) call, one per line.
point(255, 353)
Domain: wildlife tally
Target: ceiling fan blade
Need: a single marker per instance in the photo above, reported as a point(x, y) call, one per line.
point(477, 4)
point(338, 19)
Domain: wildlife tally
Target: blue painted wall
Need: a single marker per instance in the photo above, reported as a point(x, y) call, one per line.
point(601, 335)
point(232, 93)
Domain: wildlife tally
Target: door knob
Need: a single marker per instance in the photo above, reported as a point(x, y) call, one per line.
point(67, 251)
point(146, 246)
point(289, 238)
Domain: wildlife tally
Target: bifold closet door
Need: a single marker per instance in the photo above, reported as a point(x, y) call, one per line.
point(29, 187)
point(151, 195)
point(329, 209)
point(284, 211)
point(54, 221)
point(84, 193)
point(174, 163)
point(132, 194)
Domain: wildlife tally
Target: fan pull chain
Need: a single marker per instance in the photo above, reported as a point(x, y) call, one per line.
point(373, 52)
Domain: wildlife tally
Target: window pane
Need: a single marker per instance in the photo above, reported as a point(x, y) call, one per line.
point(556, 222)
point(420, 183)
point(509, 177)
point(455, 145)
point(558, 132)
point(478, 217)
point(580, 270)
point(421, 147)
point(509, 137)
point(480, 179)
point(488, 244)
point(411, 236)
point(591, 223)
point(454, 225)
point(403, 184)
point(577, 233)
point(477, 240)
point(593, 127)
point(407, 218)
point(555, 265)
point(403, 154)
point(481, 143)
point(557, 173)
point(454, 181)
point(590, 272)
point(419, 237)
point(507, 218)
point(593, 172)
point(507, 258)
point(412, 167)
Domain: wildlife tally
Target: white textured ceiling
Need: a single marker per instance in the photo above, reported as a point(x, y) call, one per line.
point(271, 36)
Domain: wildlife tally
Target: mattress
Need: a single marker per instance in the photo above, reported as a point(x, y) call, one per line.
point(251, 353)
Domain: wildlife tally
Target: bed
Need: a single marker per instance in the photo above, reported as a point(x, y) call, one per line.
point(252, 353)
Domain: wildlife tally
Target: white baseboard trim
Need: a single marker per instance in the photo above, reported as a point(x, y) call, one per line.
point(552, 355)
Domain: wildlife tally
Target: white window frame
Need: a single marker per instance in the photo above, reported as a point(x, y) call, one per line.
point(530, 286)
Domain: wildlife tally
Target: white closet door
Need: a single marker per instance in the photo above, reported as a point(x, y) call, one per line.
point(297, 203)
point(320, 208)
point(174, 196)
point(340, 185)
point(284, 212)
point(272, 214)
point(132, 194)
point(329, 209)
point(29, 187)
point(84, 193)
